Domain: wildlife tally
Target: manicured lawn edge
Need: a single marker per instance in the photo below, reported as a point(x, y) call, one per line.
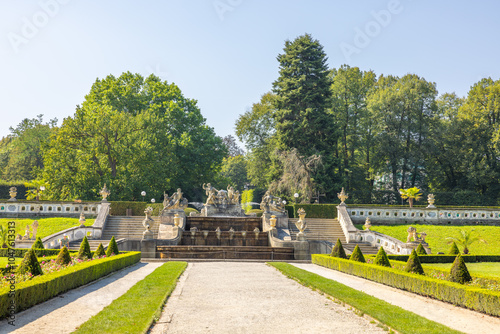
point(393, 316)
point(135, 311)
point(42, 288)
point(474, 298)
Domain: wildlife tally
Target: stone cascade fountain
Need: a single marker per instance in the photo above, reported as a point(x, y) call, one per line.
point(220, 231)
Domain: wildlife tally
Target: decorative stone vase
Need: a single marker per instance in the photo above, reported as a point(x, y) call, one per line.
point(431, 200)
point(301, 223)
point(273, 221)
point(368, 224)
point(342, 196)
point(13, 194)
point(177, 219)
point(256, 231)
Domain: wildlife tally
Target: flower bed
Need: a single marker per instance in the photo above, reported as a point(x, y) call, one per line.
point(34, 290)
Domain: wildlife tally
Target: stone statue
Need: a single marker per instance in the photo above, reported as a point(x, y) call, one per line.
point(147, 234)
point(431, 200)
point(27, 233)
point(272, 203)
point(211, 192)
point(233, 196)
point(368, 224)
point(411, 233)
point(104, 193)
point(34, 227)
point(176, 201)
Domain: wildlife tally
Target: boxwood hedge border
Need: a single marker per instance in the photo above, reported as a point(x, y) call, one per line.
point(473, 298)
point(45, 287)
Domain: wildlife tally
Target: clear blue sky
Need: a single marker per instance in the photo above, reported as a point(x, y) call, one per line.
point(223, 52)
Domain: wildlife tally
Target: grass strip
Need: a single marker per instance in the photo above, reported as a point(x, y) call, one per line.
point(393, 316)
point(134, 311)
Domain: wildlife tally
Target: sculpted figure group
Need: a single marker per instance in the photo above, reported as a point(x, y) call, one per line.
point(272, 203)
point(221, 198)
point(176, 201)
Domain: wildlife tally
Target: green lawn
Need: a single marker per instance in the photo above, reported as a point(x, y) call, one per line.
point(436, 236)
point(46, 226)
point(491, 269)
point(135, 311)
point(401, 320)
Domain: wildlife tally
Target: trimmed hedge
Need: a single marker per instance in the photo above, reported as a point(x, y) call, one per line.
point(42, 288)
point(316, 210)
point(474, 298)
point(120, 208)
point(440, 258)
point(19, 252)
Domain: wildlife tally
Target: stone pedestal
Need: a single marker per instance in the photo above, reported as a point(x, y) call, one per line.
point(167, 216)
point(147, 235)
point(148, 248)
point(281, 220)
point(414, 244)
point(301, 250)
point(232, 210)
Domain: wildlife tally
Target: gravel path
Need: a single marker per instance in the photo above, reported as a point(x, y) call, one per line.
point(64, 313)
point(452, 316)
point(221, 297)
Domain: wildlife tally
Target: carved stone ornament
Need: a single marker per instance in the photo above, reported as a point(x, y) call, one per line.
point(13, 194)
point(104, 193)
point(342, 196)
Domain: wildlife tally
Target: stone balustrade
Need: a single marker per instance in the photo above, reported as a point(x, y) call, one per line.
point(73, 233)
point(437, 216)
point(46, 208)
point(375, 239)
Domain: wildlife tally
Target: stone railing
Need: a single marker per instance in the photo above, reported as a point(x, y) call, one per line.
point(375, 239)
point(350, 231)
point(458, 216)
point(102, 216)
point(73, 233)
point(46, 208)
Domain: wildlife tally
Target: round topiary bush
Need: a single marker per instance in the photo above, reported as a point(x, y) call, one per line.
point(381, 259)
point(357, 255)
point(30, 264)
point(84, 252)
point(459, 272)
point(38, 244)
point(413, 264)
point(99, 251)
point(112, 247)
point(454, 249)
point(338, 250)
point(421, 250)
point(63, 257)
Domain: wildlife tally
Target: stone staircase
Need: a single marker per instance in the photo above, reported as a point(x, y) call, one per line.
point(75, 245)
point(328, 230)
point(365, 248)
point(319, 229)
point(128, 227)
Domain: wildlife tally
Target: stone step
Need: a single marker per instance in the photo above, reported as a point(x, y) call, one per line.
point(365, 248)
point(226, 252)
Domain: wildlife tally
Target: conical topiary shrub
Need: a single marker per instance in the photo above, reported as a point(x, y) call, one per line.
point(112, 247)
point(30, 264)
point(38, 244)
point(338, 250)
point(413, 264)
point(453, 249)
point(459, 272)
point(84, 252)
point(63, 257)
point(421, 250)
point(381, 259)
point(99, 251)
point(357, 255)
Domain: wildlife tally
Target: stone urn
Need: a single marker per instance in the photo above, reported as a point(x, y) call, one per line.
point(272, 221)
point(301, 223)
point(177, 219)
point(13, 194)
